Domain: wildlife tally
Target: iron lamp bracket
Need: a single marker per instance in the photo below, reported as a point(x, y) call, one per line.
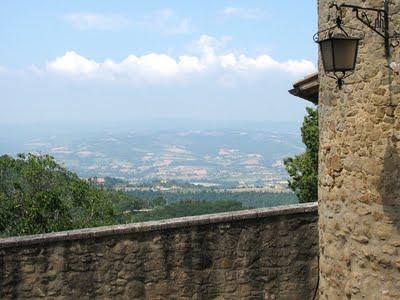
point(376, 19)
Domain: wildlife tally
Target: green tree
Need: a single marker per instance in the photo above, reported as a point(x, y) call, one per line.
point(303, 168)
point(38, 195)
point(159, 201)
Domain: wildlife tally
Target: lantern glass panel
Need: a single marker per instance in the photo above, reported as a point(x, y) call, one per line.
point(345, 54)
point(327, 55)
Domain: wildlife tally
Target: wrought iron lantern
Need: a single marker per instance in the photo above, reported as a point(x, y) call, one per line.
point(339, 55)
point(339, 49)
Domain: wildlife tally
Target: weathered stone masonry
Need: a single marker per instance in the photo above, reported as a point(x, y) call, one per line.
point(242, 255)
point(359, 175)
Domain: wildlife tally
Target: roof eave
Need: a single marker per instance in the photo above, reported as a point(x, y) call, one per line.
point(307, 88)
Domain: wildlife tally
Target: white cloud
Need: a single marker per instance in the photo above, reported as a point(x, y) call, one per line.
point(87, 21)
point(152, 67)
point(244, 13)
point(158, 67)
point(168, 22)
point(73, 64)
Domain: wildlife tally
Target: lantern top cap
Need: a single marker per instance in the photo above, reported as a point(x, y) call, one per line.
point(339, 37)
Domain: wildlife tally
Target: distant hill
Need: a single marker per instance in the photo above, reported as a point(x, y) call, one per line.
point(251, 156)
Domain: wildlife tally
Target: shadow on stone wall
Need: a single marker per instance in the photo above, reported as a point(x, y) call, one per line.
point(389, 184)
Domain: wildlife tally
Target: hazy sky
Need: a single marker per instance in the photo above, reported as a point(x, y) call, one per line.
point(140, 60)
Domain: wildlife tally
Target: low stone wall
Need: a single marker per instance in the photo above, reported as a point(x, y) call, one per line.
point(256, 254)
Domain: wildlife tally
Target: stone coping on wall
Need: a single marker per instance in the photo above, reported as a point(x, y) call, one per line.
point(157, 225)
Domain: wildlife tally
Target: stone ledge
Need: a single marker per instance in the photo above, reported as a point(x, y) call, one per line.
point(96, 232)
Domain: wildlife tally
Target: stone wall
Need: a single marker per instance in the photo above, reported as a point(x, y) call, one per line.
point(256, 254)
point(359, 181)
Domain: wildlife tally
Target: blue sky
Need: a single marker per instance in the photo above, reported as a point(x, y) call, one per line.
point(143, 60)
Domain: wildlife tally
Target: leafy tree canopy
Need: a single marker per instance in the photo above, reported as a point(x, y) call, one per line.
point(303, 168)
point(38, 195)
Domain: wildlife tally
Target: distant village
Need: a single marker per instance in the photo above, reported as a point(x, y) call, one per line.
point(275, 186)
